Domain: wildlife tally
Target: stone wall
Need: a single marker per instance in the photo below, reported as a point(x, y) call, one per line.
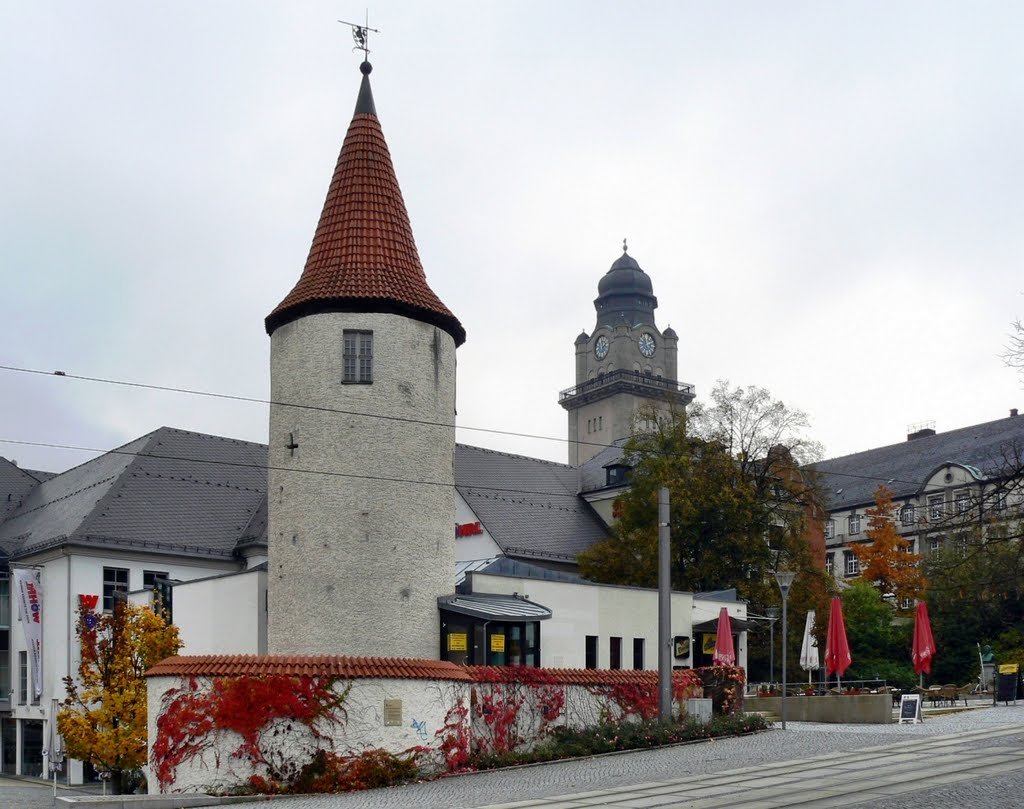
point(218, 723)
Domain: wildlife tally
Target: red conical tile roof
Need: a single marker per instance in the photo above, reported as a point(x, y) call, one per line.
point(363, 257)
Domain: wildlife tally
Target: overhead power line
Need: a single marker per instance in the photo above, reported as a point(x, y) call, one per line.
point(881, 478)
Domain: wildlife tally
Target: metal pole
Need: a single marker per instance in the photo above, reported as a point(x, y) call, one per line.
point(771, 651)
point(785, 598)
point(664, 610)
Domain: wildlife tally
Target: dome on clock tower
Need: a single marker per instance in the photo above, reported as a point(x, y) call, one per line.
point(625, 295)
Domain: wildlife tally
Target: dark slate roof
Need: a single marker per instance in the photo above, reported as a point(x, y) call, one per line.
point(189, 493)
point(171, 490)
point(594, 474)
point(528, 506)
point(851, 480)
point(15, 484)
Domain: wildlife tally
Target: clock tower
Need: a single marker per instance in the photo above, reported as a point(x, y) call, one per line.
point(626, 366)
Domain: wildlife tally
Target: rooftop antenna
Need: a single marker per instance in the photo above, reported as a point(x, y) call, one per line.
point(361, 35)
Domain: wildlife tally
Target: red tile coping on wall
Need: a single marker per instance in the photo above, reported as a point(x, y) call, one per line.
point(389, 668)
point(348, 668)
point(572, 676)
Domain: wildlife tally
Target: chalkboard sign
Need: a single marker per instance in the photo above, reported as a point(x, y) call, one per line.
point(910, 709)
point(1006, 687)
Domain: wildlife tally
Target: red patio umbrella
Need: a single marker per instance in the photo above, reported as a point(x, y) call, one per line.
point(725, 653)
point(924, 643)
point(837, 648)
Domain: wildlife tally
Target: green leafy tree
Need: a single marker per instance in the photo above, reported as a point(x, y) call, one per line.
point(734, 518)
point(879, 645)
point(103, 719)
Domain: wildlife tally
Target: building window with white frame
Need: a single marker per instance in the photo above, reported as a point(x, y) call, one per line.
point(934, 543)
point(936, 507)
point(907, 514)
point(115, 580)
point(830, 563)
point(852, 563)
point(853, 524)
point(830, 529)
point(963, 501)
point(357, 359)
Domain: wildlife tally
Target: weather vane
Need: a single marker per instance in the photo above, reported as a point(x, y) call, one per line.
point(361, 35)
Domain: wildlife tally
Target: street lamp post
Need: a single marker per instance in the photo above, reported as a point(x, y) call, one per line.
point(784, 578)
point(773, 616)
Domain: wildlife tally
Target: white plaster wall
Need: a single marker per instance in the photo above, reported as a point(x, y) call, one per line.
point(222, 615)
point(65, 575)
point(425, 705)
point(478, 546)
point(361, 515)
point(607, 611)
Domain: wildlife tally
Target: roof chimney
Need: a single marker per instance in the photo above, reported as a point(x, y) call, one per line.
point(922, 430)
point(1013, 412)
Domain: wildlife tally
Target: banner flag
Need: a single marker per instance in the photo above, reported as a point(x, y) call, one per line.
point(30, 605)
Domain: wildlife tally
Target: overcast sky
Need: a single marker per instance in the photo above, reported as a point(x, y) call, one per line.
point(828, 198)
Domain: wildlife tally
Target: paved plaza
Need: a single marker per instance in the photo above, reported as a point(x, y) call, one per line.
point(975, 756)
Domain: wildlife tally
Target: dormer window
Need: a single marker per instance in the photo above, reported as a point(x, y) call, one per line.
point(616, 474)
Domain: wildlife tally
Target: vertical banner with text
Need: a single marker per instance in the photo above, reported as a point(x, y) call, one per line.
point(30, 604)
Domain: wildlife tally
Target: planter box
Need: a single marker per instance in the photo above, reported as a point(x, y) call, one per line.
point(868, 709)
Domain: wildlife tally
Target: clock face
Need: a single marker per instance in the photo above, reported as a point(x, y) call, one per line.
point(646, 343)
point(601, 347)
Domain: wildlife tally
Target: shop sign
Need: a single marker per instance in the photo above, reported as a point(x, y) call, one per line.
point(681, 646)
point(457, 642)
point(497, 643)
point(87, 603)
point(708, 647)
point(468, 529)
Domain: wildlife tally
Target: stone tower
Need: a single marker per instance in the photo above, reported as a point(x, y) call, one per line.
point(361, 523)
point(624, 367)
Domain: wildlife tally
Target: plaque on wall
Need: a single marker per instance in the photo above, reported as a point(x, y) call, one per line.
point(393, 713)
point(681, 646)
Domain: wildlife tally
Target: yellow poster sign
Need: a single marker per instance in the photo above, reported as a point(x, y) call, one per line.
point(708, 646)
point(457, 642)
point(497, 643)
point(1009, 668)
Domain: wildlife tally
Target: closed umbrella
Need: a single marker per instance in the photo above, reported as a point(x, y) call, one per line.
point(725, 652)
point(924, 644)
point(55, 750)
point(837, 648)
point(809, 658)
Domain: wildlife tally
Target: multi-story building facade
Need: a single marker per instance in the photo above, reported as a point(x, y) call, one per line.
point(944, 485)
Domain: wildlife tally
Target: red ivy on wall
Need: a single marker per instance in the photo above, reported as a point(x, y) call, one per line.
point(191, 717)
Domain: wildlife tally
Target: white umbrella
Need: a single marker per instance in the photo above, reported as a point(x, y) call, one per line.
point(809, 660)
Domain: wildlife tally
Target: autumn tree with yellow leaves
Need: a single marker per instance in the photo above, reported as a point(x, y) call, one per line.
point(886, 560)
point(103, 718)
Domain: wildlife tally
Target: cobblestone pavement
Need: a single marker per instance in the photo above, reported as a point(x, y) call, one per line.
point(984, 747)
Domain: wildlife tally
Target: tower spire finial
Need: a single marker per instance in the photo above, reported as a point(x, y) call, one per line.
point(625, 249)
point(361, 36)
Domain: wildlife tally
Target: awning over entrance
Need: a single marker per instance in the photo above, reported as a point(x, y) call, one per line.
point(737, 624)
point(493, 607)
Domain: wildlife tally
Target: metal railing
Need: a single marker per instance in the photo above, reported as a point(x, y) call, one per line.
point(630, 378)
